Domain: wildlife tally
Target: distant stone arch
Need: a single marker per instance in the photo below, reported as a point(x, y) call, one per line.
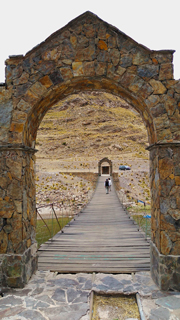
point(88, 54)
point(100, 170)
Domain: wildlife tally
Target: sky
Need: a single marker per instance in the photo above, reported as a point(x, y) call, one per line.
point(26, 23)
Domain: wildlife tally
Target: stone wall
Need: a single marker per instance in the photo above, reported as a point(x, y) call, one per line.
point(17, 213)
point(17, 269)
point(165, 211)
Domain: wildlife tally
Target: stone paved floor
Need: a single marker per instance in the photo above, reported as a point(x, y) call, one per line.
point(51, 296)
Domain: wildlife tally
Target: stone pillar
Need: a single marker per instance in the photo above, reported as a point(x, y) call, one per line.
point(99, 168)
point(111, 171)
point(18, 248)
point(165, 239)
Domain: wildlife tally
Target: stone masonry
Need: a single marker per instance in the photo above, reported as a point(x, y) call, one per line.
point(18, 215)
point(165, 241)
point(88, 54)
point(100, 164)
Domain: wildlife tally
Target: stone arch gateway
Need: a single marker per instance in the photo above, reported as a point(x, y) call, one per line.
point(105, 160)
point(88, 54)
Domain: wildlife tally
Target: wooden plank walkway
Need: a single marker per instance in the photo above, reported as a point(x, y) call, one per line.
point(101, 239)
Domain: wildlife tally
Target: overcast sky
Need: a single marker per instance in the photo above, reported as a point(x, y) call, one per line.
point(26, 23)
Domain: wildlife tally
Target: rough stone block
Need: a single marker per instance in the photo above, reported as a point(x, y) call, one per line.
point(166, 71)
point(17, 269)
point(165, 270)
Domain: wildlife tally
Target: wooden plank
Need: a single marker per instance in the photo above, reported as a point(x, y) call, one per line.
point(101, 239)
point(85, 260)
point(107, 271)
point(87, 269)
point(96, 249)
point(100, 264)
point(91, 248)
point(100, 255)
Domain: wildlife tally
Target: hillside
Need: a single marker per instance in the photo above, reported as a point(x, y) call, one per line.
point(79, 131)
point(91, 124)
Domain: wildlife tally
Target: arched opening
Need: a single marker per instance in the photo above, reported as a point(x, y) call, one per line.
point(62, 92)
point(78, 131)
point(87, 85)
point(105, 167)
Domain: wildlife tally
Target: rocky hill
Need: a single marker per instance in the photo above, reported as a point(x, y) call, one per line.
point(79, 131)
point(91, 125)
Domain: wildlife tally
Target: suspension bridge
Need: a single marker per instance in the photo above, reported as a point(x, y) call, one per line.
point(102, 238)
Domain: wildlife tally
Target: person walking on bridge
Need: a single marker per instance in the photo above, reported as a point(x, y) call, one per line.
point(106, 184)
point(110, 184)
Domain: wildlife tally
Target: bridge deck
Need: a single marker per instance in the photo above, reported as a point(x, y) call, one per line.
point(101, 239)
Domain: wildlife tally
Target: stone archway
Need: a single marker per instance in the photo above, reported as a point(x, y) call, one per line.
point(104, 160)
point(88, 54)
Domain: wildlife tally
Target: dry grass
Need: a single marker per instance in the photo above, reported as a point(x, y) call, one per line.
point(115, 307)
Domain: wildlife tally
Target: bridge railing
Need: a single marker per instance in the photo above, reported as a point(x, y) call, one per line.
point(138, 209)
point(140, 212)
point(51, 218)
